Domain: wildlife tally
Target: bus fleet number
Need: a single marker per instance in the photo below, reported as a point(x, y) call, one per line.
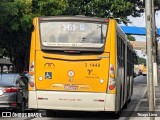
point(92, 64)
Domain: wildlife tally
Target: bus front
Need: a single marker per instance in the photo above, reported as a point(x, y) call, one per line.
point(70, 65)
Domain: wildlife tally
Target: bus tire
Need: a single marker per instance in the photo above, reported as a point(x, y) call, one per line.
point(22, 106)
point(125, 105)
point(50, 113)
point(129, 100)
point(117, 114)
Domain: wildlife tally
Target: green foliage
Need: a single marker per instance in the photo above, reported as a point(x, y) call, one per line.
point(104, 8)
point(48, 7)
point(3, 52)
point(131, 38)
point(141, 60)
point(16, 22)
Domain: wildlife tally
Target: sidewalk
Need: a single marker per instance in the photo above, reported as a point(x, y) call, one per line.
point(144, 101)
point(143, 106)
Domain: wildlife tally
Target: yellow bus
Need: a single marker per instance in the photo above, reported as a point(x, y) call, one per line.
point(79, 63)
point(142, 70)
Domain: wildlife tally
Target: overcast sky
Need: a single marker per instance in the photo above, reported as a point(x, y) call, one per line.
point(140, 22)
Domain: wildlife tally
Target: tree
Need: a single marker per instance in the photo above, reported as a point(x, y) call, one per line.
point(104, 8)
point(15, 33)
point(131, 38)
point(48, 7)
point(141, 60)
point(15, 23)
point(3, 52)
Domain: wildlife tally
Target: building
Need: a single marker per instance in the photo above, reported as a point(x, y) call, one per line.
point(5, 65)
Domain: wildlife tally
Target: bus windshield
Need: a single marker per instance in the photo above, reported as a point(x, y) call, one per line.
point(73, 34)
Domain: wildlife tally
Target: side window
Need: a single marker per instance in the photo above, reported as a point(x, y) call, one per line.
point(129, 62)
point(128, 71)
point(120, 51)
point(124, 54)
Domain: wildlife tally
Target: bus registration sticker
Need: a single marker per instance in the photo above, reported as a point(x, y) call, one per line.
point(70, 87)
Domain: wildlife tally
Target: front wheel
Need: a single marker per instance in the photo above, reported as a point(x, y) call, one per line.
point(22, 106)
point(125, 105)
point(129, 100)
point(117, 114)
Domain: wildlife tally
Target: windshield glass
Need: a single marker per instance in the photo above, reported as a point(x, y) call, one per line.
point(73, 34)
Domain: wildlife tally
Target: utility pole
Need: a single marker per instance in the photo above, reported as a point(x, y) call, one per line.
point(155, 68)
point(149, 38)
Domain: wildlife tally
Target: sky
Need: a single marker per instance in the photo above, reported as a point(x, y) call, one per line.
point(140, 22)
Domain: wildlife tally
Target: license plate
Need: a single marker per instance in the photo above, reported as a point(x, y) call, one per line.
point(70, 87)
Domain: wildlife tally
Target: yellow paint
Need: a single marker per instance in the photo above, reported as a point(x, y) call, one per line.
point(33, 46)
point(88, 69)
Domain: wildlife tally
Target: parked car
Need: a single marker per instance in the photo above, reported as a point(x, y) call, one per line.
point(13, 92)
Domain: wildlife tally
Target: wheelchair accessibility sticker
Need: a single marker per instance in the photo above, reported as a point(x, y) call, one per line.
point(48, 75)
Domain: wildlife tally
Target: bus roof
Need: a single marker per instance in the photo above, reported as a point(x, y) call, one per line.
point(74, 18)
